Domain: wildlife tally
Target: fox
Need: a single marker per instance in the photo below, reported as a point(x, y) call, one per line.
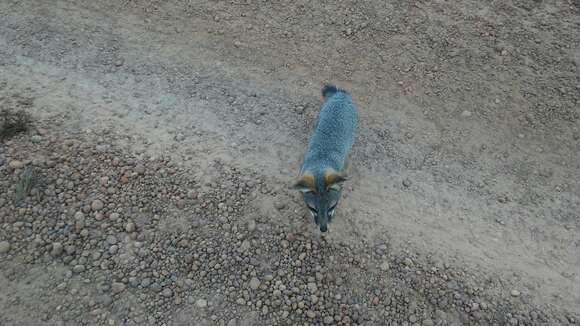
point(326, 163)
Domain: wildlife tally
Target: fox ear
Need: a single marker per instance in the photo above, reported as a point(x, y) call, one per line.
point(331, 178)
point(305, 183)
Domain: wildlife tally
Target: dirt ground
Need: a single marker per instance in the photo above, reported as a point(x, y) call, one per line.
point(466, 155)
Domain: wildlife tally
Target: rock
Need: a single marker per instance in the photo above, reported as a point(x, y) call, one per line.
point(251, 225)
point(130, 227)
point(97, 205)
point(234, 322)
point(4, 247)
point(328, 320)
point(78, 269)
point(15, 164)
point(111, 239)
point(515, 293)
point(254, 283)
point(408, 261)
point(407, 183)
point(168, 293)
point(312, 287)
point(285, 244)
point(57, 249)
point(117, 287)
point(140, 169)
point(241, 301)
point(201, 303)
point(310, 314)
point(466, 114)
point(385, 266)
point(279, 205)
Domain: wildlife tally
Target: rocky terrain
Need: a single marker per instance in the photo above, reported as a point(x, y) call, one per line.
point(107, 238)
point(152, 185)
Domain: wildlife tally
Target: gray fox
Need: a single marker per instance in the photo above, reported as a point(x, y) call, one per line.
point(325, 164)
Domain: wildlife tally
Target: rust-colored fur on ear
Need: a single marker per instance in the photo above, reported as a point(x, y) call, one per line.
point(332, 177)
point(306, 182)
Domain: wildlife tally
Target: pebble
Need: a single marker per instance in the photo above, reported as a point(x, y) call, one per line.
point(140, 169)
point(201, 303)
point(57, 249)
point(97, 205)
point(515, 293)
point(15, 164)
point(168, 293)
point(385, 266)
point(78, 269)
point(254, 283)
point(4, 247)
point(466, 114)
point(328, 320)
point(234, 322)
point(310, 314)
point(280, 205)
point(111, 239)
point(117, 287)
point(130, 227)
point(251, 225)
point(312, 287)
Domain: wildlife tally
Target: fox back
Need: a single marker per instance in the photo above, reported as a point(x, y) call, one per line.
point(325, 163)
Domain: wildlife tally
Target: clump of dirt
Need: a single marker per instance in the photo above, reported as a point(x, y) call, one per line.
point(13, 122)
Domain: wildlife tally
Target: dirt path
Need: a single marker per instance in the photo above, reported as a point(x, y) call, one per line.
point(469, 125)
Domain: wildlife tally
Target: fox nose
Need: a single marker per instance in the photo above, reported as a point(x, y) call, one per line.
point(323, 228)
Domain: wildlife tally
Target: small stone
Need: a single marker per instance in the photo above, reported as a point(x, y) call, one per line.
point(385, 266)
point(515, 293)
point(4, 247)
point(254, 283)
point(234, 322)
point(15, 164)
point(312, 287)
point(251, 225)
point(241, 301)
point(285, 244)
point(407, 183)
point(201, 303)
point(140, 169)
point(408, 261)
point(57, 249)
point(466, 114)
point(113, 249)
point(79, 269)
point(97, 205)
point(310, 314)
point(428, 322)
point(376, 301)
point(328, 320)
point(168, 293)
point(117, 287)
point(280, 205)
point(111, 239)
point(130, 227)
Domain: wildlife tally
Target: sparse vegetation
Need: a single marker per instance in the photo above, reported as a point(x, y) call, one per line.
point(13, 122)
point(28, 180)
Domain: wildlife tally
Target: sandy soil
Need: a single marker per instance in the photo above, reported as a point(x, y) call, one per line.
point(467, 150)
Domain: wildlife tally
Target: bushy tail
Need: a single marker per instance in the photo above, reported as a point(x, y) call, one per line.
point(328, 90)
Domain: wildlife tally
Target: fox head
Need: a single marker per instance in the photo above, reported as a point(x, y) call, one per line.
point(321, 192)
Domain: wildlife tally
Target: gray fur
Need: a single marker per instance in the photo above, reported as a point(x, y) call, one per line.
point(328, 148)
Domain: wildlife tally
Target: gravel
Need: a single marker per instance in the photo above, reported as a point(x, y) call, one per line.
point(187, 257)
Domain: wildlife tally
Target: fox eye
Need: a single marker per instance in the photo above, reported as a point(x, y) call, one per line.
point(312, 209)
